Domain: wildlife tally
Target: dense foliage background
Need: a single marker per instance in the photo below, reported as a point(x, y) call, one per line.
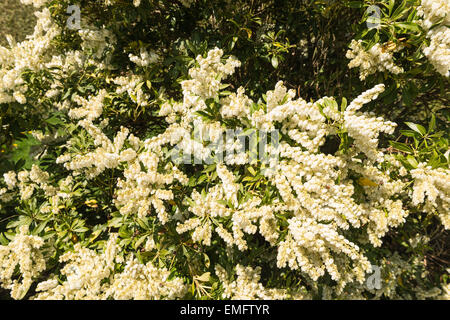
point(67, 95)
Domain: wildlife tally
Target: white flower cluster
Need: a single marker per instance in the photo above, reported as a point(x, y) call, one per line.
point(433, 11)
point(247, 286)
point(206, 78)
point(432, 188)
point(145, 58)
point(201, 223)
point(90, 109)
point(316, 189)
point(84, 270)
point(29, 54)
point(366, 128)
point(438, 52)
point(145, 181)
point(446, 291)
point(34, 53)
point(68, 62)
point(208, 207)
point(108, 154)
point(316, 192)
point(145, 282)
point(378, 58)
point(23, 252)
point(26, 182)
point(98, 42)
point(91, 276)
point(236, 105)
point(393, 273)
point(133, 86)
point(309, 247)
point(35, 180)
point(10, 179)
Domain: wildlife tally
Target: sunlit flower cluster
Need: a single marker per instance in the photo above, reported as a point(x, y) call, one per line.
point(144, 58)
point(29, 54)
point(432, 188)
point(23, 252)
point(438, 52)
point(86, 273)
point(306, 182)
point(377, 58)
point(315, 215)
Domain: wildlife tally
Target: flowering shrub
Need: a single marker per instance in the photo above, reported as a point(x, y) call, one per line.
point(165, 150)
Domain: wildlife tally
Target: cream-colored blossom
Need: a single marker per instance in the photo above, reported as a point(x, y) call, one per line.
point(91, 276)
point(23, 252)
point(247, 286)
point(377, 58)
point(432, 188)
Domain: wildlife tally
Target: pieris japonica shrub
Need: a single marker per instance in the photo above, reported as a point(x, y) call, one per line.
point(226, 150)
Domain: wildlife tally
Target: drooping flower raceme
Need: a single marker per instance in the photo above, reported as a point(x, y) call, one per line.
point(438, 52)
point(432, 188)
point(315, 213)
point(23, 252)
point(373, 60)
point(91, 275)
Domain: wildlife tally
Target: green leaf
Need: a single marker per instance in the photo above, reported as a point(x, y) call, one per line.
point(67, 94)
point(3, 240)
point(54, 120)
point(140, 241)
point(222, 202)
point(95, 234)
point(123, 232)
point(355, 4)
point(204, 114)
point(274, 62)
point(399, 11)
point(192, 181)
point(408, 25)
point(207, 261)
point(210, 168)
point(233, 42)
point(201, 179)
point(408, 133)
point(412, 161)
point(252, 171)
point(343, 104)
point(40, 227)
point(391, 6)
point(432, 124)
point(401, 146)
point(143, 224)
point(417, 128)
point(204, 277)
point(115, 222)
